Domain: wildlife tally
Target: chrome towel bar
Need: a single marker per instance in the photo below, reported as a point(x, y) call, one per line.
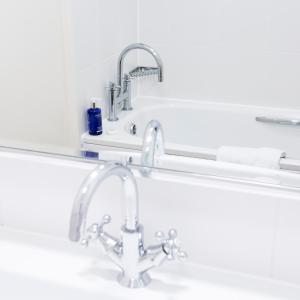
point(286, 164)
point(279, 121)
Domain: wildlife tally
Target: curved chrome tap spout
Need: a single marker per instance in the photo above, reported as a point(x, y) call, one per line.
point(153, 146)
point(87, 190)
point(147, 48)
point(128, 252)
point(119, 94)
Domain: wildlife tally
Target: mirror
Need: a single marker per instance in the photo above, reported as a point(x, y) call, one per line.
point(214, 91)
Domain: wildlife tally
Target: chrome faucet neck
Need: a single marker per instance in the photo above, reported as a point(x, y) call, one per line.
point(89, 187)
point(153, 146)
point(140, 46)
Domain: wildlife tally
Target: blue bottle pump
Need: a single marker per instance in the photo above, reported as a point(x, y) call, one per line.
point(94, 120)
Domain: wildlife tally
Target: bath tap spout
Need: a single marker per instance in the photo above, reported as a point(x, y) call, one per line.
point(89, 187)
point(148, 49)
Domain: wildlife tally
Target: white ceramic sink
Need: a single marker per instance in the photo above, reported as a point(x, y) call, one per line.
point(34, 266)
point(227, 226)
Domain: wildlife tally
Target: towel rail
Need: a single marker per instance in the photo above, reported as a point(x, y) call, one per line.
point(286, 164)
point(279, 121)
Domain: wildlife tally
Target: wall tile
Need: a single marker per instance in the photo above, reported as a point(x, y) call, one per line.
point(283, 26)
point(103, 28)
point(233, 51)
point(94, 81)
point(234, 231)
point(153, 21)
point(286, 264)
point(32, 88)
point(227, 75)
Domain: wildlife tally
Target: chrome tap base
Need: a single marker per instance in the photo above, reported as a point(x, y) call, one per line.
point(141, 281)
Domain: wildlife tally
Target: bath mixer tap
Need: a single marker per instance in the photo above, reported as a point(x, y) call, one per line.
point(120, 94)
point(127, 252)
point(153, 146)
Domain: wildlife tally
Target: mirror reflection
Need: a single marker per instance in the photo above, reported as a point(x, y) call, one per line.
point(202, 89)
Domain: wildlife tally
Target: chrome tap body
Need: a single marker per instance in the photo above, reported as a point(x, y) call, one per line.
point(120, 93)
point(128, 252)
point(153, 146)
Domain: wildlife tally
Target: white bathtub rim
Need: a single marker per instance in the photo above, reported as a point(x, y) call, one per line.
point(217, 170)
point(116, 134)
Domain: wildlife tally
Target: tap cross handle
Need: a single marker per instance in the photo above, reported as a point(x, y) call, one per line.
point(171, 245)
point(93, 232)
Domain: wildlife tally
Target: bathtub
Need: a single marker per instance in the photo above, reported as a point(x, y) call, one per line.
point(242, 238)
point(197, 129)
point(194, 131)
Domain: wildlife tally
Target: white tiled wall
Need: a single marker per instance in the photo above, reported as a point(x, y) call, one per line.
point(55, 55)
point(245, 52)
point(32, 76)
point(100, 31)
point(55, 60)
point(286, 264)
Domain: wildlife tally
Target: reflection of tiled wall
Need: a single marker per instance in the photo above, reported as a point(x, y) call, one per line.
point(286, 259)
point(56, 55)
point(100, 29)
point(245, 52)
point(32, 76)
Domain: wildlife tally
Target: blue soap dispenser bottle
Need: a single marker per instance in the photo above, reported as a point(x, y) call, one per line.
point(94, 120)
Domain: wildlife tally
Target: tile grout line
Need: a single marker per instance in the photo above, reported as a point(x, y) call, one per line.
point(274, 239)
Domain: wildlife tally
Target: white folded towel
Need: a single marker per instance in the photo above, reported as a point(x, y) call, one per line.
point(259, 157)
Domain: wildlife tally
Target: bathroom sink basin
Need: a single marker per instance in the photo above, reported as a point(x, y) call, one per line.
point(36, 266)
point(14, 286)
